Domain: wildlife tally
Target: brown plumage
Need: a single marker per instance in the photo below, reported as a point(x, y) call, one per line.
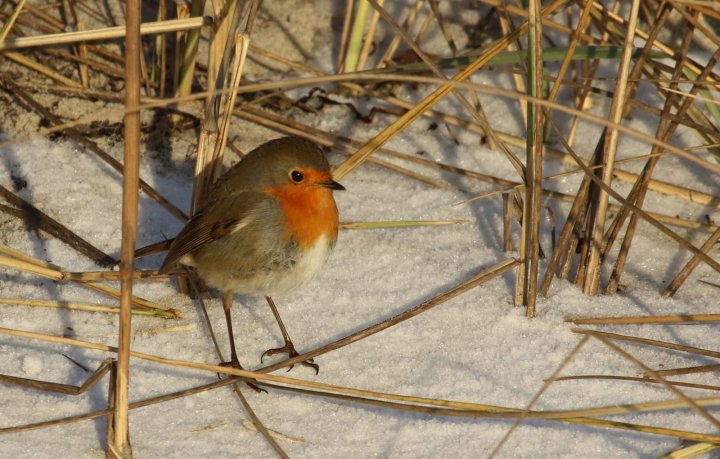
point(265, 227)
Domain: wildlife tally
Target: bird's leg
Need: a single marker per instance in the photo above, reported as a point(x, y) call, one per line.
point(233, 362)
point(288, 348)
point(227, 307)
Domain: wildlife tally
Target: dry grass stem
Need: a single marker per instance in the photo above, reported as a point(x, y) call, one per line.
point(664, 131)
point(352, 52)
point(510, 413)
point(344, 35)
point(690, 451)
point(58, 388)
point(399, 224)
point(119, 446)
point(187, 48)
point(32, 268)
point(157, 331)
point(136, 301)
point(20, 261)
point(474, 107)
point(48, 72)
point(150, 276)
point(88, 307)
point(453, 408)
point(258, 424)
point(671, 319)
point(644, 380)
point(229, 47)
point(208, 137)
point(387, 57)
point(413, 113)
point(147, 28)
point(649, 342)
point(689, 370)
point(369, 38)
point(132, 406)
point(275, 434)
point(241, 41)
point(546, 385)
point(12, 253)
point(690, 266)
point(529, 251)
point(11, 20)
point(450, 407)
point(518, 77)
point(683, 242)
point(493, 411)
point(419, 79)
point(592, 279)
point(674, 390)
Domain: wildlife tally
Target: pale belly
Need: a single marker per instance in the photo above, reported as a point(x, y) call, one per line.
point(305, 265)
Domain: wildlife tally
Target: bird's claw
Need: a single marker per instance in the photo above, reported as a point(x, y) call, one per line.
point(233, 363)
point(289, 349)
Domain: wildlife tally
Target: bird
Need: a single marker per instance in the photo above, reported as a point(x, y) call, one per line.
point(265, 227)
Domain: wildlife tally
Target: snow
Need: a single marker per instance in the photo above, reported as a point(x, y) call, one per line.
point(475, 348)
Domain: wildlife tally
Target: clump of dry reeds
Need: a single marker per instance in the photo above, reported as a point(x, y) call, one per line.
point(551, 50)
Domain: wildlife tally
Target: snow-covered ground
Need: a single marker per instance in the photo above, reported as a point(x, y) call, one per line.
point(476, 348)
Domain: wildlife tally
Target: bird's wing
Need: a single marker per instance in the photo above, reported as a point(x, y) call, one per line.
point(216, 220)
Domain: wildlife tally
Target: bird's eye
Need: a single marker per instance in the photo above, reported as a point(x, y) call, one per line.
point(296, 176)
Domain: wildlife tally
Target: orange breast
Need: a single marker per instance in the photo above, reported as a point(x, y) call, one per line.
point(310, 212)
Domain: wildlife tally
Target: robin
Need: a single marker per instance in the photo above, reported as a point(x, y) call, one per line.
point(264, 227)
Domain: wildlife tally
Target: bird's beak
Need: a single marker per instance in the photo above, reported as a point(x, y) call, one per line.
point(333, 185)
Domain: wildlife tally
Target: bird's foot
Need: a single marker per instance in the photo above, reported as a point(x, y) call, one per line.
point(289, 349)
point(234, 363)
